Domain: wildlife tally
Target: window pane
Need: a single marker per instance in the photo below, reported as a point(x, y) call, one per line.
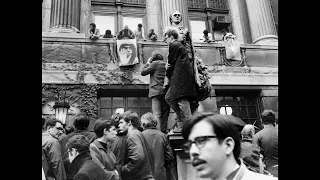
point(104, 22)
point(145, 110)
point(243, 112)
point(219, 101)
point(105, 113)
point(252, 112)
point(134, 110)
point(241, 101)
point(118, 102)
point(133, 102)
point(132, 22)
point(105, 102)
point(145, 102)
point(251, 101)
point(229, 101)
point(197, 29)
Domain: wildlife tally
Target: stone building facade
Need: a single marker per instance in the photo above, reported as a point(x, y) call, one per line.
point(89, 73)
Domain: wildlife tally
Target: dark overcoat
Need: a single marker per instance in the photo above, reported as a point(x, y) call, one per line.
point(163, 155)
point(83, 168)
point(180, 72)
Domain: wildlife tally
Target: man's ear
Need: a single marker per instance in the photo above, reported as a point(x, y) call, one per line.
point(228, 145)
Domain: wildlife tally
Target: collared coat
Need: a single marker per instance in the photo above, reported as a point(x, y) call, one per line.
point(104, 158)
point(157, 71)
point(163, 155)
point(83, 168)
point(52, 151)
point(64, 139)
point(245, 174)
point(140, 158)
point(180, 72)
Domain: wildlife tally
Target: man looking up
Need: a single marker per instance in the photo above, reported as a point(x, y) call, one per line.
point(213, 143)
point(52, 150)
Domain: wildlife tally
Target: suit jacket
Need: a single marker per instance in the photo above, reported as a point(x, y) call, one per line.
point(160, 146)
point(104, 158)
point(157, 71)
point(180, 72)
point(83, 168)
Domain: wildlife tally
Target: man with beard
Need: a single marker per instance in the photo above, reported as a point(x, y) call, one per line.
point(52, 149)
point(213, 143)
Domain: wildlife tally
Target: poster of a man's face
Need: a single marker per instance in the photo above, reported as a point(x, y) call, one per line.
point(127, 52)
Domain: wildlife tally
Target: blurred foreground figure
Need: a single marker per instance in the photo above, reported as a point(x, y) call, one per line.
point(213, 143)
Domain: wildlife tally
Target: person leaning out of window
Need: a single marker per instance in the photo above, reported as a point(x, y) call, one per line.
point(94, 33)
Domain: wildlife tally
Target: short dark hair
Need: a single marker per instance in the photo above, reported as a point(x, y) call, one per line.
point(101, 124)
point(221, 125)
point(171, 31)
point(130, 116)
point(205, 31)
point(93, 25)
point(79, 142)
point(69, 129)
point(81, 121)
point(268, 117)
point(140, 25)
point(52, 122)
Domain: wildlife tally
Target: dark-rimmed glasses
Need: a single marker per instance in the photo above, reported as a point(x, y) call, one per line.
point(176, 15)
point(199, 141)
point(59, 128)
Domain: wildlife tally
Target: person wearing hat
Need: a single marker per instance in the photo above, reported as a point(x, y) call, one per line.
point(213, 142)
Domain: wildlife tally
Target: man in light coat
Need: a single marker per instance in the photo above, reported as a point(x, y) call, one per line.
point(214, 144)
point(52, 150)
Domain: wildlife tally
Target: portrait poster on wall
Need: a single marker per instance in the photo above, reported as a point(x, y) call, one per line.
point(127, 52)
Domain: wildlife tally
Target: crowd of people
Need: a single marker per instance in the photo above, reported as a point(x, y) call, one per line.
point(126, 147)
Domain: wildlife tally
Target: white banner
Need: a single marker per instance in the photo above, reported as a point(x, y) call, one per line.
point(127, 51)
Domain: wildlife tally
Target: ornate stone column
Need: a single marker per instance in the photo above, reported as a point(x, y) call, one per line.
point(154, 18)
point(263, 30)
point(65, 16)
point(240, 21)
point(46, 12)
point(167, 6)
point(85, 16)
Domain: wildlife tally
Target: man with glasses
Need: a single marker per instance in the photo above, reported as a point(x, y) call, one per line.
point(52, 149)
point(213, 143)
